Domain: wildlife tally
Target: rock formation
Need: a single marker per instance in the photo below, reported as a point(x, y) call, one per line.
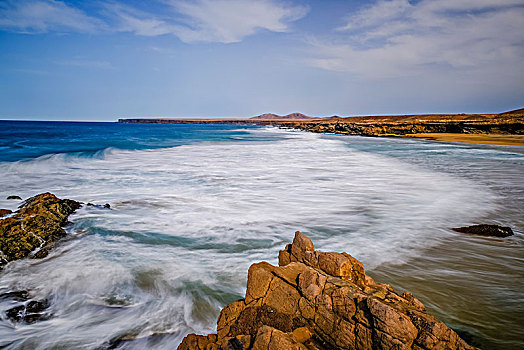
point(5, 212)
point(321, 300)
point(34, 228)
point(486, 230)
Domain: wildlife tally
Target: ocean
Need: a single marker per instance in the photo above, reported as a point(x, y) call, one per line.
point(193, 206)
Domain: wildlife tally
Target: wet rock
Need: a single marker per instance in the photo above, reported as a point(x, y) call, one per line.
point(30, 312)
point(486, 230)
point(99, 206)
point(35, 227)
point(14, 197)
point(4, 212)
point(322, 300)
point(17, 295)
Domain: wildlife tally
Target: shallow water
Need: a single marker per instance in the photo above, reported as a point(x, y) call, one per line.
point(187, 221)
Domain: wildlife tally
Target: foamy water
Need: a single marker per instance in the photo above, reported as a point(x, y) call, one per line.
point(186, 222)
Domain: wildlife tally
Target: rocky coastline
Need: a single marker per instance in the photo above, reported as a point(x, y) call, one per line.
point(431, 126)
point(322, 300)
point(402, 127)
point(313, 300)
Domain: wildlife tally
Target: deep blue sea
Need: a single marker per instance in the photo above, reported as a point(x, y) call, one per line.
point(192, 206)
point(30, 139)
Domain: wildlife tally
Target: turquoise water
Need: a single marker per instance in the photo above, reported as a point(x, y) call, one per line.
point(192, 206)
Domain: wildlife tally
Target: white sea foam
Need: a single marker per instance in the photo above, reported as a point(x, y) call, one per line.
point(186, 222)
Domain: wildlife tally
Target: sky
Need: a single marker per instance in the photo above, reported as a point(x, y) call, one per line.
point(104, 60)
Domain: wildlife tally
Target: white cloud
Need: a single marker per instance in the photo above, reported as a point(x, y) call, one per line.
point(230, 21)
point(398, 38)
point(38, 16)
point(224, 21)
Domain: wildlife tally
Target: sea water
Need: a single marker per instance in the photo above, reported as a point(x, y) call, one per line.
point(192, 206)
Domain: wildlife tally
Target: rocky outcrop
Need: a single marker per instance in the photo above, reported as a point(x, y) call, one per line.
point(401, 128)
point(321, 300)
point(35, 227)
point(486, 230)
point(5, 212)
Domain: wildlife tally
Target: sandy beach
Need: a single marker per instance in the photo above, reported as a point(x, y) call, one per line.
point(492, 139)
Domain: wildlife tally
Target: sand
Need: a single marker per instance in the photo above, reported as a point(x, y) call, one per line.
point(493, 139)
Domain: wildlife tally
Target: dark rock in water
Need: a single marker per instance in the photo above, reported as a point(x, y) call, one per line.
point(486, 230)
point(322, 300)
point(4, 212)
point(14, 197)
point(34, 310)
point(105, 206)
point(19, 295)
point(35, 227)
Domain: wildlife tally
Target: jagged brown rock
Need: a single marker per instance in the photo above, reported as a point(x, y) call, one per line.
point(319, 300)
point(34, 228)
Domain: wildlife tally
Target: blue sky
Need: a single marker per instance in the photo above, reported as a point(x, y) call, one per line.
point(102, 60)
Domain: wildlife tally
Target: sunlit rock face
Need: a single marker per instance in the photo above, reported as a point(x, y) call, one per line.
point(322, 300)
point(35, 227)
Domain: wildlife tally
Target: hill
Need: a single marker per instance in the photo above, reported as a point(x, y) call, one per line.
point(291, 116)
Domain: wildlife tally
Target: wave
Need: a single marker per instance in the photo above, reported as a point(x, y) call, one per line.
point(186, 222)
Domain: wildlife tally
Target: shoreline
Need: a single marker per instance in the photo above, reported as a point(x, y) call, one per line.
point(496, 129)
point(480, 139)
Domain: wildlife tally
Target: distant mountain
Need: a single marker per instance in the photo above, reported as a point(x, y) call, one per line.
point(294, 116)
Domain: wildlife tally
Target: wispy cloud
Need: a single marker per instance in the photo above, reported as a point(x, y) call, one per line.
point(125, 18)
point(396, 37)
point(230, 21)
point(39, 16)
point(225, 21)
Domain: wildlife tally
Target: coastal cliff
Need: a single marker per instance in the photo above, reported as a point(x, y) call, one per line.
point(322, 300)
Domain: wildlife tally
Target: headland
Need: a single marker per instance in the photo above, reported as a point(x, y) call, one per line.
point(504, 128)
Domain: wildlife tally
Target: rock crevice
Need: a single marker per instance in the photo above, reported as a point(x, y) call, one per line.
point(322, 300)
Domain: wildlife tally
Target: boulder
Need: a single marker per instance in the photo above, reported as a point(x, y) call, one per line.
point(30, 312)
point(4, 212)
point(319, 300)
point(14, 197)
point(27, 310)
point(486, 230)
point(35, 227)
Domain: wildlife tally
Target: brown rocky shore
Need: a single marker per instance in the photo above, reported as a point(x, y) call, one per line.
point(35, 227)
point(322, 300)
